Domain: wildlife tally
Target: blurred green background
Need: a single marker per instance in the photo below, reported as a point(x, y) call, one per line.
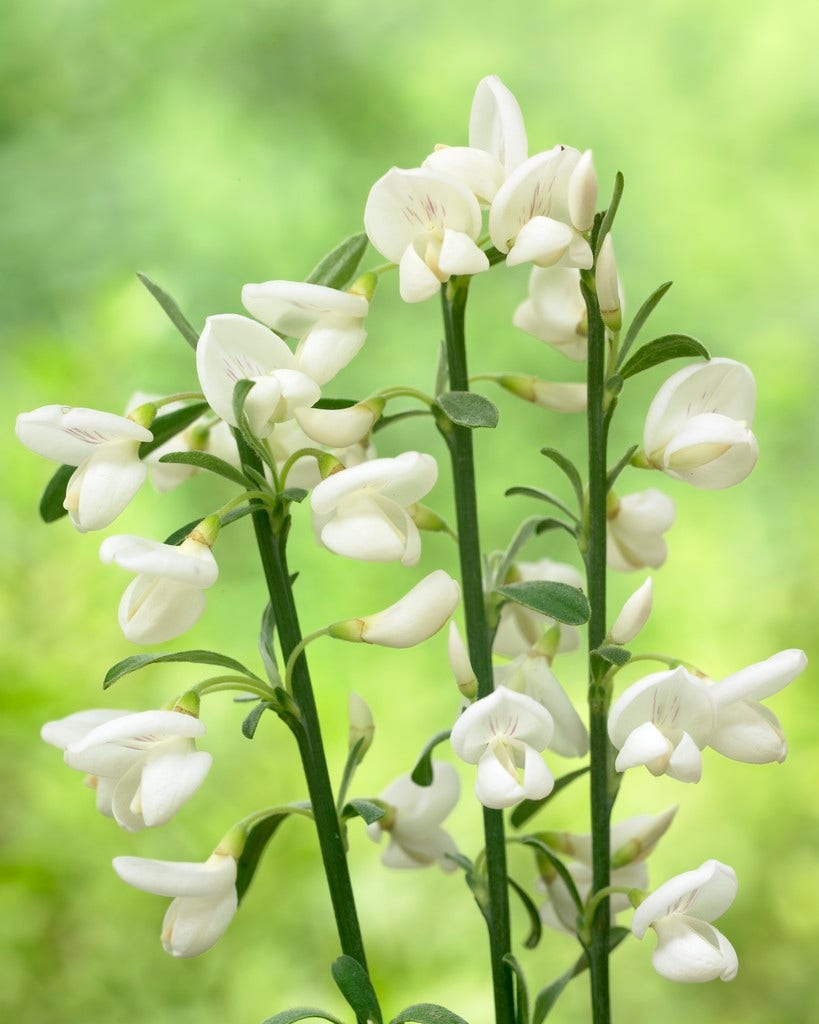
point(212, 144)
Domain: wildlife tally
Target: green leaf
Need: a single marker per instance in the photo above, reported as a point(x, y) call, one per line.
point(356, 987)
point(526, 809)
point(535, 923)
point(337, 268)
point(251, 722)
point(545, 851)
point(569, 468)
point(51, 503)
point(521, 992)
point(614, 655)
point(257, 839)
point(241, 390)
point(539, 495)
point(210, 463)
point(467, 409)
point(172, 311)
point(172, 423)
point(559, 601)
point(550, 523)
point(335, 403)
point(619, 466)
point(235, 513)
point(427, 1013)
point(640, 317)
point(301, 1013)
point(608, 217)
point(137, 661)
point(364, 809)
point(297, 494)
point(267, 631)
point(422, 772)
point(669, 346)
point(549, 996)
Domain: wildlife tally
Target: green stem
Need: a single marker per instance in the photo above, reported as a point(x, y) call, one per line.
point(595, 557)
point(459, 442)
point(271, 539)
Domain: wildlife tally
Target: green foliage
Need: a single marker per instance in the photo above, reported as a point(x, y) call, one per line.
point(356, 987)
point(135, 662)
point(172, 310)
point(669, 346)
point(559, 601)
point(468, 409)
point(336, 269)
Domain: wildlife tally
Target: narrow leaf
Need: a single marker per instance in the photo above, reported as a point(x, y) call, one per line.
point(51, 503)
point(170, 424)
point(550, 523)
point(619, 466)
point(545, 851)
point(357, 989)
point(297, 494)
point(251, 722)
point(669, 346)
point(569, 468)
point(422, 772)
point(522, 536)
point(467, 409)
point(267, 631)
point(258, 838)
point(535, 923)
point(301, 1013)
point(138, 661)
point(172, 311)
point(549, 996)
point(235, 513)
point(614, 655)
point(427, 1013)
point(337, 268)
point(539, 495)
point(521, 992)
point(210, 463)
point(364, 809)
point(526, 809)
point(610, 214)
point(335, 403)
point(559, 601)
point(640, 317)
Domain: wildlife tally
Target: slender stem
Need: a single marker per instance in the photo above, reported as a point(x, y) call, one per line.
point(595, 556)
point(459, 441)
point(300, 647)
point(271, 540)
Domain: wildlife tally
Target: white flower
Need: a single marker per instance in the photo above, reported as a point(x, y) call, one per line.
point(414, 821)
point(698, 426)
point(205, 898)
point(745, 729)
point(531, 217)
point(340, 428)
point(362, 725)
point(103, 447)
point(143, 765)
point(519, 628)
point(663, 721)
point(361, 512)
point(530, 674)
point(427, 223)
point(167, 597)
point(328, 323)
point(689, 948)
point(556, 395)
point(633, 615)
point(635, 525)
point(233, 348)
point(555, 311)
point(460, 664)
point(503, 734)
point(607, 285)
point(415, 617)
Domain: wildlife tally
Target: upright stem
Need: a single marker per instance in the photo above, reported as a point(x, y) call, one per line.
point(595, 557)
point(459, 441)
point(272, 551)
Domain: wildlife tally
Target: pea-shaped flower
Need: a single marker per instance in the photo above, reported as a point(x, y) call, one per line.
point(689, 947)
point(427, 223)
point(635, 524)
point(698, 428)
point(503, 734)
point(104, 448)
point(361, 512)
point(555, 311)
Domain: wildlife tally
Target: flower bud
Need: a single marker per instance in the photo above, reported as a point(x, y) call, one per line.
point(187, 704)
point(460, 664)
point(638, 837)
point(414, 618)
point(634, 614)
point(608, 289)
point(562, 397)
point(362, 726)
point(583, 192)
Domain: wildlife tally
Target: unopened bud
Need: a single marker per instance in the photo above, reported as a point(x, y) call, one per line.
point(362, 726)
point(559, 396)
point(461, 665)
point(607, 286)
point(583, 192)
point(634, 614)
point(647, 830)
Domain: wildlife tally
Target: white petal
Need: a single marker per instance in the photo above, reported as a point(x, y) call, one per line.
point(570, 738)
point(192, 926)
point(337, 428)
point(123, 798)
point(329, 347)
point(404, 479)
point(146, 726)
point(762, 679)
point(685, 763)
point(537, 188)
point(705, 893)
point(644, 745)
point(213, 879)
point(361, 530)
point(153, 610)
point(170, 781)
point(495, 787)
point(674, 700)
point(635, 530)
point(691, 951)
point(276, 397)
point(293, 307)
point(190, 562)
point(537, 779)
point(65, 731)
point(542, 240)
point(459, 658)
point(103, 485)
point(607, 284)
point(502, 712)
point(634, 614)
point(406, 204)
point(70, 435)
point(711, 452)
point(560, 397)
point(417, 281)
point(460, 255)
point(419, 809)
point(233, 348)
point(557, 305)
point(749, 732)
point(418, 615)
point(481, 172)
point(496, 123)
point(583, 192)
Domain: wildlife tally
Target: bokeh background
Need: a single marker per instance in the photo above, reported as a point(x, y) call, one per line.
point(212, 144)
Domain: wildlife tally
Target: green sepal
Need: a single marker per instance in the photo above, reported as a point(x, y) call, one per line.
point(558, 601)
point(428, 1013)
point(171, 310)
point(354, 984)
point(669, 346)
point(467, 409)
point(135, 662)
point(172, 423)
point(210, 463)
point(364, 809)
point(521, 991)
point(526, 809)
point(51, 503)
point(301, 1013)
point(336, 269)
point(569, 468)
point(640, 317)
point(422, 772)
point(614, 655)
point(548, 996)
point(258, 837)
point(535, 923)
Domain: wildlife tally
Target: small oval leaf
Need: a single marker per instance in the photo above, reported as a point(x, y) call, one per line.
point(669, 346)
point(356, 987)
point(428, 1013)
point(467, 409)
point(336, 268)
point(557, 600)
